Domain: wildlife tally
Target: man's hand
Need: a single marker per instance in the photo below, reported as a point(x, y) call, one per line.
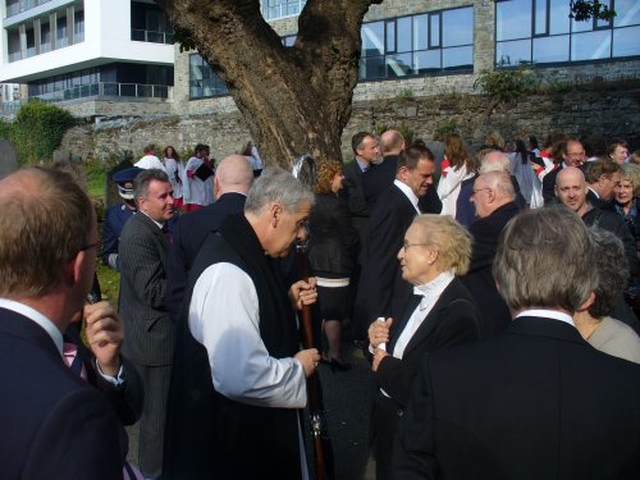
point(378, 355)
point(309, 359)
point(303, 293)
point(104, 334)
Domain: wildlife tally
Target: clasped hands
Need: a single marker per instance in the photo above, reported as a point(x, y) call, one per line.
point(378, 334)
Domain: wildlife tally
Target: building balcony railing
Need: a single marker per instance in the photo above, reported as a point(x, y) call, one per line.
point(151, 36)
point(23, 5)
point(106, 89)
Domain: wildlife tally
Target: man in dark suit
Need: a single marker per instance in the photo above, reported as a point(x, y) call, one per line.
point(536, 401)
point(381, 290)
point(602, 175)
point(54, 424)
point(150, 337)
point(494, 199)
point(233, 179)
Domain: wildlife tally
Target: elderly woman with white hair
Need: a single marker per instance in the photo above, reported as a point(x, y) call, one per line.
point(441, 314)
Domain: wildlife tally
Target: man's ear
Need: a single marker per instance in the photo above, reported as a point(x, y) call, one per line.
point(72, 269)
point(275, 211)
point(587, 304)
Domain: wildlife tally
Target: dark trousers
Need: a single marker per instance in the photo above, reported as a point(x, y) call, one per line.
point(152, 422)
point(386, 415)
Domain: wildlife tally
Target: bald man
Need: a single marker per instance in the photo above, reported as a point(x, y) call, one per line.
point(571, 189)
point(494, 198)
point(234, 176)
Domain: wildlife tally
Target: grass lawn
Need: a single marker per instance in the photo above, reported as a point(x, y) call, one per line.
point(96, 186)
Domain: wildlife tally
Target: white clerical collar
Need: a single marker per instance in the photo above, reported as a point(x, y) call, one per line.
point(37, 317)
point(406, 189)
point(434, 288)
point(546, 313)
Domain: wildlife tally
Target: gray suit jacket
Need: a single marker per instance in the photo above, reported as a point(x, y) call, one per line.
point(149, 333)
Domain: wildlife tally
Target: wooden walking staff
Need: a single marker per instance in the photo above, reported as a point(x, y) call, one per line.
point(304, 169)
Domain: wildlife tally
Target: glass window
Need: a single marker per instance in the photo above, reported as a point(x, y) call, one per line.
point(512, 54)
point(272, 9)
point(627, 13)
point(390, 37)
point(540, 17)
point(457, 27)
point(513, 19)
point(558, 38)
point(551, 49)
point(591, 45)
point(78, 26)
point(626, 42)
point(372, 35)
point(203, 80)
point(403, 34)
point(418, 44)
point(420, 32)
point(434, 25)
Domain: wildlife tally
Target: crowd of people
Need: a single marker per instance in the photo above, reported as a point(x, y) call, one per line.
point(493, 291)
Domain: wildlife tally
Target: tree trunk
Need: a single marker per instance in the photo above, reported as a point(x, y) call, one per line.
point(295, 100)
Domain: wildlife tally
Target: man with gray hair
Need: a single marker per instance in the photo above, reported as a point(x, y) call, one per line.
point(247, 384)
point(493, 196)
point(536, 401)
point(150, 333)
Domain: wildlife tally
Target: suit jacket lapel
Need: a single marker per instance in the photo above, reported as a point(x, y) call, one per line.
point(151, 225)
point(434, 318)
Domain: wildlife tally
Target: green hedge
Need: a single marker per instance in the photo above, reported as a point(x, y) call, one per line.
point(37, 131)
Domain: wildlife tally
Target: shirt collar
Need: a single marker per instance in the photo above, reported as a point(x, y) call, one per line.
point(404, 188)
point(364, 166)
point(434, 288)
point(159, 224)
point(37, 317)
point(546, 313)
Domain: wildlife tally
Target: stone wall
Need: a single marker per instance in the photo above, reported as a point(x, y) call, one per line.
point(596, 112)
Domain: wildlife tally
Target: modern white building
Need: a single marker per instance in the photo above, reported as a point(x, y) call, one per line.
point(67, 50)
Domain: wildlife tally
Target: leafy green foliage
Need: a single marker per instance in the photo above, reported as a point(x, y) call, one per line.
point(582, 10)
point(37, 131)
point(444, 128)
point(506, 85)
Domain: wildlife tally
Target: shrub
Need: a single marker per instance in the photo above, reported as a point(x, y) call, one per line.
point(506, 84)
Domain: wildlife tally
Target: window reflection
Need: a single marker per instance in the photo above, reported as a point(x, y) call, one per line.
point(558, 38)
point(417, 44)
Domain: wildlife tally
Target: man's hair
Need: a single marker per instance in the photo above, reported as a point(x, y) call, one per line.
point(501, 181)
point(601, 166)
point(276, 185)
point(495, 161)
point(615, 144)
point(144, 178)
point(412, 155)
point(42, 227)
point(357, 140)
point(545, 260)
point(391, 140)
point(613, 271)
point(449, 238)
point(631, 172)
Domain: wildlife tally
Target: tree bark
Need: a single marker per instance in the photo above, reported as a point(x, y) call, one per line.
point(295, 99)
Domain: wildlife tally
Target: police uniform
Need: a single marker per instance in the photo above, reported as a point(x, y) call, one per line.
point(117, 215)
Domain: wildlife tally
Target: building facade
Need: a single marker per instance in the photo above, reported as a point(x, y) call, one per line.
point(87, 54)
point(429, 47)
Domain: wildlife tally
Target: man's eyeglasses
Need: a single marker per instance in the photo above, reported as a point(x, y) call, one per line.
point(406, 245)
point(89, 246)
point(476, 190)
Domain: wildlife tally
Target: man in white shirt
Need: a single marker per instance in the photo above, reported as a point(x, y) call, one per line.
point(239, 360)
point(536, 401)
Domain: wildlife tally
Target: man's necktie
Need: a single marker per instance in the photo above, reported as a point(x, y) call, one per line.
point(73, 360)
